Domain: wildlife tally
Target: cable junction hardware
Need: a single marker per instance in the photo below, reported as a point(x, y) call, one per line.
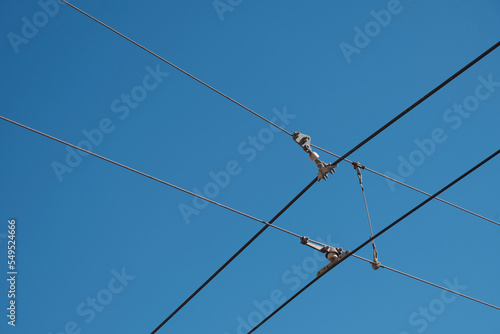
point(305, 142)
point(333, 254)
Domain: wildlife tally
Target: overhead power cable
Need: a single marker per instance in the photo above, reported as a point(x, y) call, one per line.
point(177, 67)
point(376, 236)
point(411, 187)
point(426, 282)
point(153, 178)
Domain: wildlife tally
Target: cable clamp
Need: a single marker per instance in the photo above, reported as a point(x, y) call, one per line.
point(376, 263)
point(357, 165)
point(333, 254)
point(305, 142)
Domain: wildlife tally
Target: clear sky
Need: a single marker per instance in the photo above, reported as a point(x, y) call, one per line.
point(103, 250)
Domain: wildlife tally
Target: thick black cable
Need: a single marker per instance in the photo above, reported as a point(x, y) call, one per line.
point(377, 235)
point(234, 256)
point(425, 97)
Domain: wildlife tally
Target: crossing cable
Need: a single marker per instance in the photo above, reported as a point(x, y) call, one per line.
point(426, 282)
point(267, 224)
point(177, 67)
point(377, 235)
point(411, 187)
point(358, 167)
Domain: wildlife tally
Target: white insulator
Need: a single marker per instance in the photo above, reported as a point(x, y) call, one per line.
point(313, 156)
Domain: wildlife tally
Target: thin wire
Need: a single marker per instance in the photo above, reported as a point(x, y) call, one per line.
point(377, 235)
point(425, 97)
point(411, 187)
point(177, 67)
point(439, 199)
point(360, 178)
point(252, 239)
point(427, 282)
point(149, 176)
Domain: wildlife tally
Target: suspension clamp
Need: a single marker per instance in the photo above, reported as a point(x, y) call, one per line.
point(305, 142)
point(333, 254)
point(376, 263)
point(357, 165)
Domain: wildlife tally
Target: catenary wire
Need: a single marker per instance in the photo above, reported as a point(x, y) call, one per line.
point(411, 187)
point(424, 281)
point(377, 235)
point(177, 67)
point(267, 224)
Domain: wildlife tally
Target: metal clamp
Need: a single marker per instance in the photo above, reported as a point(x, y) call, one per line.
point(305, 142)
point(333, 254)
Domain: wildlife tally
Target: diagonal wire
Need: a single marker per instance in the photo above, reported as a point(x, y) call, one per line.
point(411, 187)
point(177, 67)
point(377, 235)
point(357, 167)
point(152, 177)
point(426, 282)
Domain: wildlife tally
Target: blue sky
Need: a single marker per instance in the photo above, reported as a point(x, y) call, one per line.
point(103, 250)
